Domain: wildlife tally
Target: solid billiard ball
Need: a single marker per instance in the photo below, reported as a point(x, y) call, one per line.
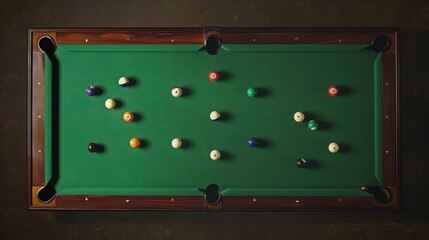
point(313, 125)
point(215, 155)
point(93, 147)
point(252, 92)
point(176, 143)
point(128, 116)
point(333, 91)
point(176, 92)
point(123, 81)
point(299, 116)
point(213, 76)
point(252, 142)
point(301, 163)
point(334, 147)
point(110, 103)
point(134, 142)
point(90, 91)
point(214, 115)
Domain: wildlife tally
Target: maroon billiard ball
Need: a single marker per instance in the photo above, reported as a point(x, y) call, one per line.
point(93, 147)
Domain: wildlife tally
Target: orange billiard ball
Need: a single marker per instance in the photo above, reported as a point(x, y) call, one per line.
point(128, 116)
point(134, 142)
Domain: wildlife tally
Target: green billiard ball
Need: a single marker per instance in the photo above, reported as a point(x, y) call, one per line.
point(251, 92)
point(313, 125)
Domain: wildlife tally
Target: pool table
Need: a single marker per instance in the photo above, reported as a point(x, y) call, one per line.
point(213, 119)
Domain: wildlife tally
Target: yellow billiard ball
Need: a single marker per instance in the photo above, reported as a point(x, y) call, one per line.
point(176, 143)
point(299, 116)
point(134, 142)
point(128, 116)
point(334, 147)
point(110, 103)
point(214, 115)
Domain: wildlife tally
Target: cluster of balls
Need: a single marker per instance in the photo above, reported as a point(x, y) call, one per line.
point(129, 116)
point(111, 104)
point(214, 115)
point(314, 125)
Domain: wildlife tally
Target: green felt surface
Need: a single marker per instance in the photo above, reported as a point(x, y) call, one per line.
point(292, 77)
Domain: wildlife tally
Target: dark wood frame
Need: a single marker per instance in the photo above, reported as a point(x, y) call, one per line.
point(390, 109)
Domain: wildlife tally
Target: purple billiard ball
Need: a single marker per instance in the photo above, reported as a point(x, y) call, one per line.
point(90, 91)
point(252, 142)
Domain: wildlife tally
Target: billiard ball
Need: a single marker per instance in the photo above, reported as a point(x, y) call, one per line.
point(299, 116)
point(176, 92)
point(176, 143)
point(252, 142)
point(301, 163)
point(128, 116)
point(90, 91)
point(333, 91)
point(123, 81)
point(215, 155)
point(334, 147)
point(215, 115)
point(110, 103)
point(313, 125)
point(134, 142)
point(252, 92)
point(213, 76)
point(93, 147)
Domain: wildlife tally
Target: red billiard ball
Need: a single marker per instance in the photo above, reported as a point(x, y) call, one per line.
point(333, 91)
point(213, 76)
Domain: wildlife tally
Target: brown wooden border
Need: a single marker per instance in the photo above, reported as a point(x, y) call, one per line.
point(390, 111)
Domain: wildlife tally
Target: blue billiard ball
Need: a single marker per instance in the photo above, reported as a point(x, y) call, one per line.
point(252, 142)
point(123, 81)
point(90, 91)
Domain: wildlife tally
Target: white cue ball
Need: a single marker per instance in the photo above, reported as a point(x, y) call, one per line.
point(333, 147)
point(215, 155)
point(214, 115)
point(299, 116)
point(110, 103)
point(176, 143)
point(176, 92)
point(123, 81)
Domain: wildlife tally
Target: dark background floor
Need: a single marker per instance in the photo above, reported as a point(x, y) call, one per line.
point(411, 222)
